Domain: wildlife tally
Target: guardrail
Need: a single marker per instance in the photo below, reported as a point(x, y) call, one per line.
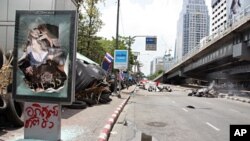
point(236, 20)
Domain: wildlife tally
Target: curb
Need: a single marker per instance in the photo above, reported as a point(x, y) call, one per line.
point(238, 99)
point(111, 121)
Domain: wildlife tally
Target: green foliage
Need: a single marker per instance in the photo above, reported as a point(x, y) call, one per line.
point(89, 24)
point(156, 74)
point(109, 46)
point(90, 45)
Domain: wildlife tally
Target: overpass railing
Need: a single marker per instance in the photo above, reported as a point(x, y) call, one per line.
point(236, 20)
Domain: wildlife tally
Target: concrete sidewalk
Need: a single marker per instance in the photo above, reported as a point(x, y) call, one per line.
point(78, 125)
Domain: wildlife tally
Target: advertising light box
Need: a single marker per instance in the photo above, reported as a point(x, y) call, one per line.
point(121, 59)
point(44, 55)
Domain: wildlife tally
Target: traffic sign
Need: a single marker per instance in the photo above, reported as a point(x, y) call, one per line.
point(121, 59)
point(151, 42)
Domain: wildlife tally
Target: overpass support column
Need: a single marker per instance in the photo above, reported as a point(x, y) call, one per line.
point(241, 51)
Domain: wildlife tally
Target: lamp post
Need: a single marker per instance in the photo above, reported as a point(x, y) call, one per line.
point(130, 40)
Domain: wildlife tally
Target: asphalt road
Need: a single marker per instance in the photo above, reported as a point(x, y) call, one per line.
point(165, 116)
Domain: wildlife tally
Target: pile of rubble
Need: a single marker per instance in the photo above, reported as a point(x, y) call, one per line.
point(209, 91)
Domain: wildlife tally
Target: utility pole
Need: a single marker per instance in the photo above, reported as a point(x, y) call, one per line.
point(129, 55)
point(116, 45)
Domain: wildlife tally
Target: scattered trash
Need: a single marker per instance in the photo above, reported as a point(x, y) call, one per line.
point(205, 92)
point(125, 123)
point(145, 137)
point(191, 107)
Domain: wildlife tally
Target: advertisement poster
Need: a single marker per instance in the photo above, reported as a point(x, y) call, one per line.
point(43, 55)
point(235, 7)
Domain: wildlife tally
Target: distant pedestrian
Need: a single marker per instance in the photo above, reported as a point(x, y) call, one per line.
point(157, 85)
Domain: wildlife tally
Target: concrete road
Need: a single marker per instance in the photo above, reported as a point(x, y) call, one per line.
point(165, 116)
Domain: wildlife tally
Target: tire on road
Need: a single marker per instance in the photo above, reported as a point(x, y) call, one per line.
point(3, 104)
point(105, 98)
point(77, 105)
point(89, 102)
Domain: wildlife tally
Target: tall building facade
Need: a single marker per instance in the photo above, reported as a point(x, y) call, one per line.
point(219, 14)
point(223, 11)
point(193, 25)
point(156, 65)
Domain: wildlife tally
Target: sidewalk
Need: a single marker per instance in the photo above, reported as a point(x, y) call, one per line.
point(78, 125)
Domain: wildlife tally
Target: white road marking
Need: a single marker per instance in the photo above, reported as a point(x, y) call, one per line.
point(208, 103)
point(184, 109)
point(215, 128)
point(233, 110)
point(114, 132)
point(173, 102)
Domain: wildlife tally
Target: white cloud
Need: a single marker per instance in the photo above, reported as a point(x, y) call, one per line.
point(144, 17)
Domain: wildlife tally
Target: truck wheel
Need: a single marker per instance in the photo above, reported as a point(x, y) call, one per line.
point(3, 104)
point(77, 105)
point(1, 58)
point(14, 112)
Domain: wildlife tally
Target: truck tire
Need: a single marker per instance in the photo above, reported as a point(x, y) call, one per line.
point(77, 105)
point(1, 58)
point(14, 112)
point(3, 104)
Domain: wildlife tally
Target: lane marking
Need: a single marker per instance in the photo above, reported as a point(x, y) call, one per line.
point(233, 110)
point(215, 128)
point(185, 109)
point(208, 103)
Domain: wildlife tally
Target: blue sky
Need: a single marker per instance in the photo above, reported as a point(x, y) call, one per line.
point(144, 17)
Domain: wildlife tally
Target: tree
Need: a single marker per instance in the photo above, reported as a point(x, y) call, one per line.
point(89, 24)
point(153, 76)
point(109, 46)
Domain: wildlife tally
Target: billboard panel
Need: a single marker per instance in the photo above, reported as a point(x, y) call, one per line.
point(44, 55)
point(234, 7)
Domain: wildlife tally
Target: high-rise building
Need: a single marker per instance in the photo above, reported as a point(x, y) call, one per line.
point(223, 12)
point(156, 65)
point(193, 25)
point(219, 14)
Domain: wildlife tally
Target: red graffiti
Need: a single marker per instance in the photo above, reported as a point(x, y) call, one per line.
point(40, 116)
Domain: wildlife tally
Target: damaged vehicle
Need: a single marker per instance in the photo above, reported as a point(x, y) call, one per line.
point(209, 91)
point(91, 88)
point(11, 111)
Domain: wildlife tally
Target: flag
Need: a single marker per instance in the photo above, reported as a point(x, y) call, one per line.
point(108, 58)
point(107, 62)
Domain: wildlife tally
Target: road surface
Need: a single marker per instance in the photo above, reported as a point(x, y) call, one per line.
point(174, 116)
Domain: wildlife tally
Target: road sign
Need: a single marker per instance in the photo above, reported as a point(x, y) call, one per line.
point(121, 59)
point(151, 42)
